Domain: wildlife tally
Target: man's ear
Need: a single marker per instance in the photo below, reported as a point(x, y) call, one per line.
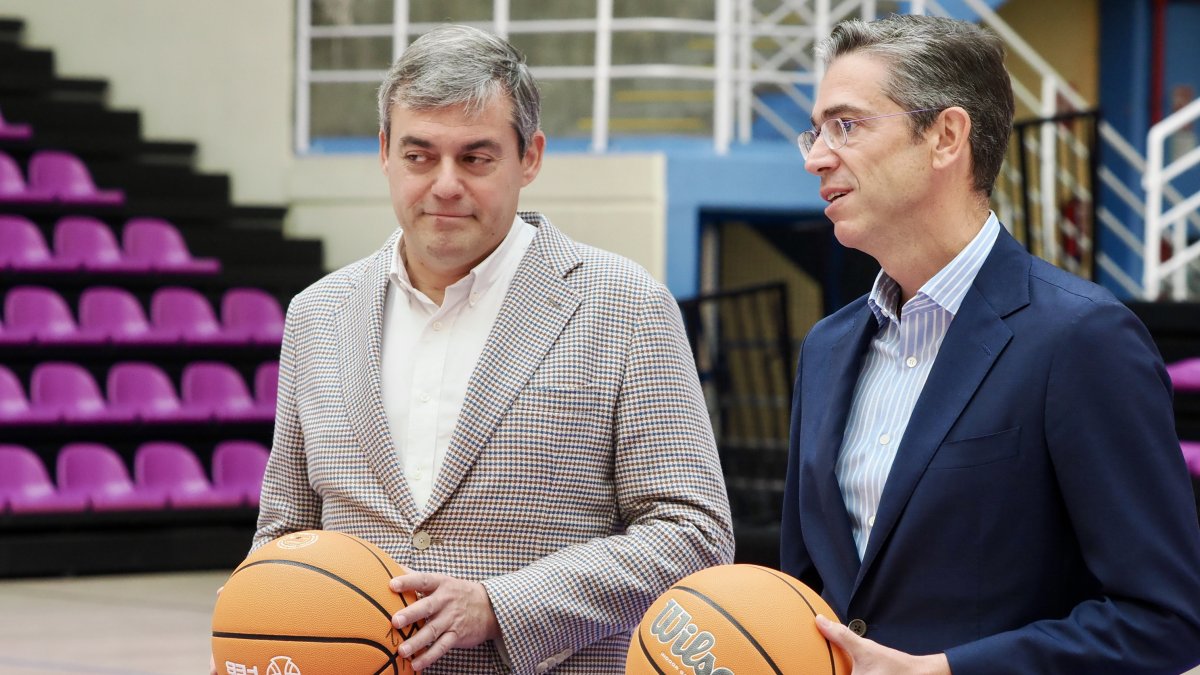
point(531, 163)
point(383, 152)
point(952, 137)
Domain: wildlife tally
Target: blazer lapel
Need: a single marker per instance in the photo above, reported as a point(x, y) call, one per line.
point(844, 361)
point(538, 305)
point(974, 341)
point(360, 340)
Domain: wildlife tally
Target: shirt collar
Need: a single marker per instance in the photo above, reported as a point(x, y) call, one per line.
point(484, 275)
point(948, 288)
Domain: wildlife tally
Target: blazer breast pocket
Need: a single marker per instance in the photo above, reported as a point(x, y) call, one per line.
point(977, 451)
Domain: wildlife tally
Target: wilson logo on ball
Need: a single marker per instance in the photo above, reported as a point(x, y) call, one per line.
point(674, 626)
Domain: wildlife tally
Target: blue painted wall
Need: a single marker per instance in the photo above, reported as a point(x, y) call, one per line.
point(1183, 72)
point(1125, 69)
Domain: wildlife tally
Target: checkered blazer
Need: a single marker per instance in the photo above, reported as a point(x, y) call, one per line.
point(582, 478)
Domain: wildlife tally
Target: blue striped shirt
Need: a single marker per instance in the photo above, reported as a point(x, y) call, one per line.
point(894, 373)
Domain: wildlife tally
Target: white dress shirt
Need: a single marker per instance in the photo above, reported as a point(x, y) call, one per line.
point(893, 375)
point(429, 353)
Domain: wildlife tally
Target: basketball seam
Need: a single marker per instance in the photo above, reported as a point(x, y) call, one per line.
point(828, 646)
point(391, 663)
point(729, 617)
point(331, 575)
point(649, 658)
point(378, 560)
point(306, 638)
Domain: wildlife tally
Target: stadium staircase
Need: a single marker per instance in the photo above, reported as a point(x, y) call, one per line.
point(44, 112)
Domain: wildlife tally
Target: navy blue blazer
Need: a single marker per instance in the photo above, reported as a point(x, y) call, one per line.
point(1038, 517)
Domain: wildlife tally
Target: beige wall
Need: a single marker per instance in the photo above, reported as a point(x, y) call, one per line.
point(217, 72)
point(220, 72)
point(615, 202)
point(1066, 33)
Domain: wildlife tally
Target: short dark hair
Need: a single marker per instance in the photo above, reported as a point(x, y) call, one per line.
point(460, 65)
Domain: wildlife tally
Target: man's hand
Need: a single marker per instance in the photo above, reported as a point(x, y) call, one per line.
point(457, 614)
point(872, 658)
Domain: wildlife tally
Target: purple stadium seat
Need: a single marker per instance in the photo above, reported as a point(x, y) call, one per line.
point(22, 246)
point(39, 314)
point(25, 485)
point(158, 244)
point(1191, 454)
point(240, 465)
point(185, 315)
point(219, 390)
point(114, 314)
point(69, 391)
point(12, 184)
point(84, 242)
point(97, 472)
point(14, 407)
point(144, 391)
point(173, 468)
point(252, 314)
point(65, 177)
point(14, 132)
point(1185, 375)
point(266, 388)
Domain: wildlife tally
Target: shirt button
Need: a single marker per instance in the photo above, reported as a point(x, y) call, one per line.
point(437, 325)
point(911, 362)
point(417, 474)
point(858, 627)
point(421, 540)
point(871, 521)
point(885, 439)
point(425, 398)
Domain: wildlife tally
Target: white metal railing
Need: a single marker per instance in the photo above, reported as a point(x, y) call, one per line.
point(763, 47)
point(1175, 219)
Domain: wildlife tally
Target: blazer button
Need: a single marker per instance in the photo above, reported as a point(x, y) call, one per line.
point(421, 540)
point(858, 627)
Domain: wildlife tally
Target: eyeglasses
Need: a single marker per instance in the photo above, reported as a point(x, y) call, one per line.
point(835, 132)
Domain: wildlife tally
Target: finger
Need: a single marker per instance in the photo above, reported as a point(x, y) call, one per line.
point(435, 651)
point(419, 610)
point(419, 582)
point(422, 639)
point(836, 633)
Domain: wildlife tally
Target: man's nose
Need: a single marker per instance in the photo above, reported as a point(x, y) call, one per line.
point(447, 184)
point(820, 158)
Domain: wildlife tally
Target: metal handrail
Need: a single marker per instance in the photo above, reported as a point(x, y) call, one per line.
point(1155, 181)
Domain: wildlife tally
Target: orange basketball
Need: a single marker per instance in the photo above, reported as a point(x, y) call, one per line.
point(311, 602)
point(735, 619)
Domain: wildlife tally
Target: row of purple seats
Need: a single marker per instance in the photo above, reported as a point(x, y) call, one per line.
point(93, 476)
point(83, 243)
point(1185, 375)
point(138, 392)
point(1191, 454)
point(35, 314)
point(54, 176)
point(14, 132)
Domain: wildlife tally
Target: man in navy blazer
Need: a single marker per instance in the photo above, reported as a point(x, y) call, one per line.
point(984, 475)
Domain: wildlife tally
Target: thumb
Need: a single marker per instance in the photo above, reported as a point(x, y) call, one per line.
point(837, 634)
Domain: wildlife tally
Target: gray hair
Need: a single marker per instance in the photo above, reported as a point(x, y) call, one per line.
point(939, 63)
point(460, 65)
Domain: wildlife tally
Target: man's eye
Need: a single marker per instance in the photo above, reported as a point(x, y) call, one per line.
point(477, 159)
point(415, 158)
point(848, 126)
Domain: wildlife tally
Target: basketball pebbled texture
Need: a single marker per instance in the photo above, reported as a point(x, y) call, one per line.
point(735, 620)
point(311, 603)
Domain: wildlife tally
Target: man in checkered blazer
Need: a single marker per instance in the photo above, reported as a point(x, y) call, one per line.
point(512, 415)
